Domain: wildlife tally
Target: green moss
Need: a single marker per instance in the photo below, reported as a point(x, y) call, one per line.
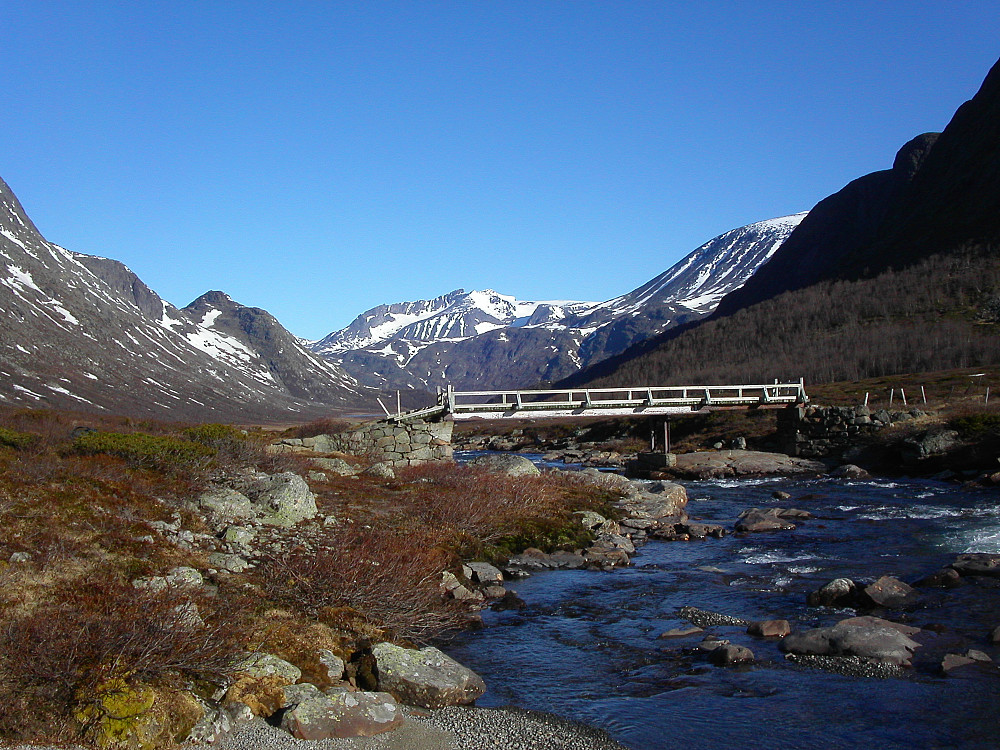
point(116, 714)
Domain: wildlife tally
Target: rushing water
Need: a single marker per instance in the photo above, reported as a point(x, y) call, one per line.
point(587, 646)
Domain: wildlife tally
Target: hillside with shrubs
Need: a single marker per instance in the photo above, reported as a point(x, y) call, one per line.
point(121, 602)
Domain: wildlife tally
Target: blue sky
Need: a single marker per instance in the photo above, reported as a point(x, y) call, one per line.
point(319, 158)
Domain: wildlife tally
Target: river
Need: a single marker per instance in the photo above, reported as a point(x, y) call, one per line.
point(588, 648)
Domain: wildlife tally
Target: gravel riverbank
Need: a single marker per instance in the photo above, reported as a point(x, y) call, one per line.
point(454, 728)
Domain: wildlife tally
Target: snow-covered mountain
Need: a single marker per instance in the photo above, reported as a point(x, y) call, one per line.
point(483, 339)
point(84, 332)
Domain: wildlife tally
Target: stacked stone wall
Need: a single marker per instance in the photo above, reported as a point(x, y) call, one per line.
point(814, 431)
point(402, 444)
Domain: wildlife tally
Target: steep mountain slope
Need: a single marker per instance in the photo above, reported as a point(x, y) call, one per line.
point(486, 340)
point(898, 272)
point(85, 333)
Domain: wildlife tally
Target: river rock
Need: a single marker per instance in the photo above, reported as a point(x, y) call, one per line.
point(850, 471)
point(427, 678)
point(770, 628)
point(946, 578)
point(358, 714)
point(681, 632)
point(868, 621)
point(282, 499)
point(846, 639)
point(954, 661)
point(758, 519)
point(505, 463)
point(978, 564)
point(995, 635)
point(729, 654)
point(840, 592)
point(482, 572)
point(891, 592)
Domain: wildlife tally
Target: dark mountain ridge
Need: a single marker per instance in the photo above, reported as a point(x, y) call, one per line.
point(922, 238)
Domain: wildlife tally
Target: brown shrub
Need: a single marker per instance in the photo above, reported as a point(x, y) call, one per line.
point(55, 659)
point(392, 579)
point(324, 426)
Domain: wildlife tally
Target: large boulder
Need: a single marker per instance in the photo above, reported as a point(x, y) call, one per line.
point(871, 641)
point(505, 463)
point(282, 499)
point(359, 714)
point(427, 678)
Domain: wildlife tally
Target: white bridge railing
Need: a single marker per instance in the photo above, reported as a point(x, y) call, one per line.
point(583, 402)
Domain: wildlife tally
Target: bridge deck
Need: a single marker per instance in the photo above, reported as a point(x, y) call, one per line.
point(588, 402)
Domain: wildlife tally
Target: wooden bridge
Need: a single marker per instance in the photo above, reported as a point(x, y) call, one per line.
point(596, 402)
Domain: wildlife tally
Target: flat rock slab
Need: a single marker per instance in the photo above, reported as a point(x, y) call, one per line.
point(427, 678)
point(878, 642)
point(505, 463)
point(736, 463)
point(978, 564)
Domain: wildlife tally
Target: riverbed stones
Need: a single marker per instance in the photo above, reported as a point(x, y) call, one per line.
point(357, 714)
point(506, 463)
point(427, 678)
point(995, 635)
point(706, 619)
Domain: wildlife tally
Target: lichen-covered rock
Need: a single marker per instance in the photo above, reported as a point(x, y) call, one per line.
point(226, 505)
point(122, 715)
point(841, 592)
point(181, 577)
point(335, 466)
point(357, 714)
point(505, 463)
point(427, 678)
point(380, 470)
point(261, 664)
point(282, 499)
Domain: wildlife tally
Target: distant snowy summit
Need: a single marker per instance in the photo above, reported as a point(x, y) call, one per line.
point(455, 316)
point(484, 339)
